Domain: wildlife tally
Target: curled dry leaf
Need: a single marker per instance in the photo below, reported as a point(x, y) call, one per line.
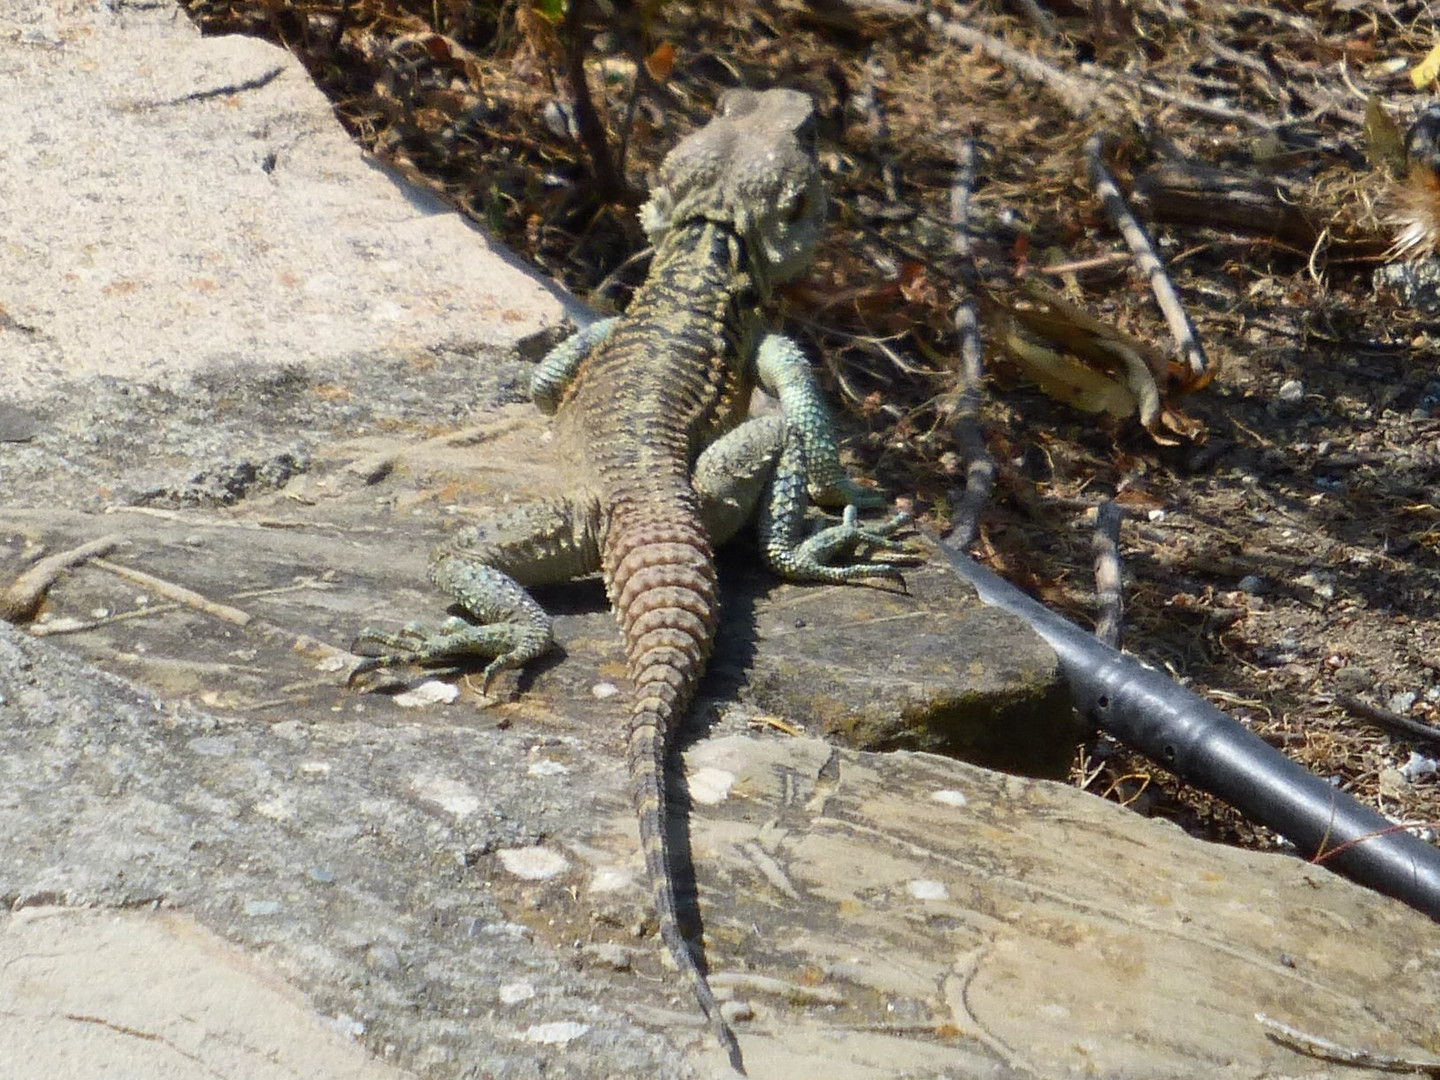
point(1091, 365)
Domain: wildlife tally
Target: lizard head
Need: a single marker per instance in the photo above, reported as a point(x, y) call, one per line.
point(752, 169)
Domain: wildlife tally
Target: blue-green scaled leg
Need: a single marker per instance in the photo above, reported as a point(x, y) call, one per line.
point(785, 374)
point(553, 374)
point(486, 568)
point(759, 467)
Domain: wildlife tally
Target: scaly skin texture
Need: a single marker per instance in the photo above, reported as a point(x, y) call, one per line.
point(648, 411)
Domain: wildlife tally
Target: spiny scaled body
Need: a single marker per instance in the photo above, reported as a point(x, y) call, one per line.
point(648, 413)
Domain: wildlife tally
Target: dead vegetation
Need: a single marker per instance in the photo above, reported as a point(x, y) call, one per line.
point(1282, 497)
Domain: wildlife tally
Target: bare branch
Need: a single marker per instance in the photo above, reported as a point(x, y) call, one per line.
point(969, 390)
point(1146, 261)
point(1313, 1046)
point(22, 599)
point(1388, 719)
point(1084, 98)
point(1109, 591)
point(612, 184)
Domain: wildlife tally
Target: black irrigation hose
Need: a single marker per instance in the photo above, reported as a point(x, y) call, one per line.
point(1182, 732)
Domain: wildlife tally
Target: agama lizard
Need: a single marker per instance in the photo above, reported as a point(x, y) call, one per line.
point(648, 411)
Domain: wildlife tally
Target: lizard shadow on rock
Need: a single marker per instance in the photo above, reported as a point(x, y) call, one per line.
point(742, 587)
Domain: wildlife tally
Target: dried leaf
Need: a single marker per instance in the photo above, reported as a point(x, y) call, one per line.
point(661, 62)
point(1424, 73)
point(1384, 141)
point(1101, 369)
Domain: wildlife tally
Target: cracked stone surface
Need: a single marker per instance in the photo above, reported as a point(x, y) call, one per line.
point(273, 377)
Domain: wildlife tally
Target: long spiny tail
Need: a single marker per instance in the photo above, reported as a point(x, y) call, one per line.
point(662, 584)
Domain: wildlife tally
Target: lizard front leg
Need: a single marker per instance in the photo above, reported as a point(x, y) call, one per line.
point(553, 375)
point(486, 568)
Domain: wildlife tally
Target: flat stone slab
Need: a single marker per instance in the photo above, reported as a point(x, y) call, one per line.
point(463, 894)
point(177, 202)
point(155, 995)
point(932, 669)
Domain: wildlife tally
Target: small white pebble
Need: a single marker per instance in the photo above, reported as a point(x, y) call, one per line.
point(603, 690)
point(556, 1033)
point(710, 786)
point(533, 863)
point(949, 797)
point(1156, 515)
point(924, 889)
point(516, 992)
point(547, 767)
point(348, 1026)
point(615, 957)
point(432, 692)
point(447, 794)
point(611, 879)
point(1419, 765)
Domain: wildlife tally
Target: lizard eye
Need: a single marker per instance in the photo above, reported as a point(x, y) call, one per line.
point(799, 209)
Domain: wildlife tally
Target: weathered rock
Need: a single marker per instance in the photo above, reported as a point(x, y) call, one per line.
point(932, 670)
point(460, 890)
point(176, 203)
point(281, 432)
point(153, 995)
point(353, 854)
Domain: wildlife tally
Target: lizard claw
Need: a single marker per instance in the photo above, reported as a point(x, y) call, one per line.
point(819, 557)
point(369, 664)
point(454, 642)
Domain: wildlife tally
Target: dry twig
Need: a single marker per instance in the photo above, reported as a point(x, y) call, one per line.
point(68, 626)
point(1146, 261)
point(1109, 595)
point(868, 102)
point(1388, 719)
point(969, 390)
point(25, 594)
point(181, 595)
point(610, 181)
point(301, 643)
point(1084, 98)
point(1313, 1046)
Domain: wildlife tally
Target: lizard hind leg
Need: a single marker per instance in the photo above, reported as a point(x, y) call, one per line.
point(485, 569)
point(817, 557)
point(520, 633)
point(764, 465)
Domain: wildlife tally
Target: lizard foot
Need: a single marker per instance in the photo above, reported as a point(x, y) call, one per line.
point(456, 639)
point(814, 559)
